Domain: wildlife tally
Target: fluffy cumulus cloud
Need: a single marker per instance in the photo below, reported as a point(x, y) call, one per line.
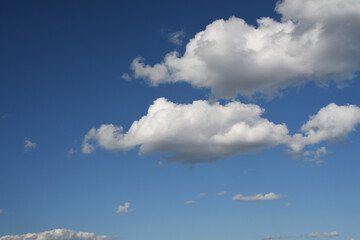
point(203, 132)
point(332, 123)
point(124, 208)
point(57, 234)
point(316, 40)
point(192, 133)
point(257, 197)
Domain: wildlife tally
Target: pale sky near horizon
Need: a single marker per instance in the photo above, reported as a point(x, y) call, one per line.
point(180, 120)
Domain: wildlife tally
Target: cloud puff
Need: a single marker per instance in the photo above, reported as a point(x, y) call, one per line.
point(126, 77)
point(2, 212)
point(29, 145)
point(325, 234)
point(257, 197)
point(332, 123)
point(330, 234)
point(177, 37)
point(190, 202)
point(202, 194)
point(311, 156)
point(221, 193)
point(124, 209)
point(311, 235)
point(316, 40)
point(57, 234)
point(192, 133)
point(203, 132)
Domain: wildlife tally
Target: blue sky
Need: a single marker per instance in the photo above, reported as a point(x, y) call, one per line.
point(242, 108)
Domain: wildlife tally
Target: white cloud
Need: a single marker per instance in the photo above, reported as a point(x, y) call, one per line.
point(203, 132)
point(177, 37)
point(57, 234)
point(29, 145)
point(126, 77)
point(330, 234)
point(325, 234)
point(311, 235)
point(311, 156)
point(190, 202)
point(316, 40)
point(192, 133)
point(124, 209)
point(202, 194)
point(257, 197)
point(332, 123)
point(221, 193)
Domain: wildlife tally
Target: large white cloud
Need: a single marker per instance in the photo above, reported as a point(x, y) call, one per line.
point(57, 234)
point(316, 40)
point(197, 132)
point(204, 132)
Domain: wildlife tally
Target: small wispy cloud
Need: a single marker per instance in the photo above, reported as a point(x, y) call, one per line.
point(324, 234)
point(126, 77)
point(189, 201)
point(221, 193)
point(124, 208)
point(287, 205)
point(58, 234)
point(161, 163)
point(177, 37)
point(330, 234)
point(2, 212)
point(70, 153)
point(29, 145)
point(315, 156)
point(257, 197)
point(310, 235)
point(202, 194)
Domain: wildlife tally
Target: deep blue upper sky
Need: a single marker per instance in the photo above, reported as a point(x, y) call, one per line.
point(61, 64)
